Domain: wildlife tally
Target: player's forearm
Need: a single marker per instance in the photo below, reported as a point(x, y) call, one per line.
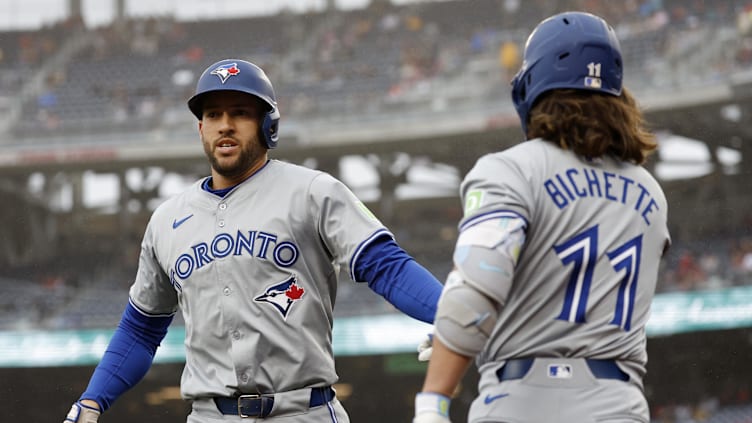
point(128, 357)
point(393, 274)
point(123, 365)
point(445, 370)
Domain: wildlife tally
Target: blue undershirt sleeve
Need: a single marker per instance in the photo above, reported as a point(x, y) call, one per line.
point(396, 276)
point(128, 356)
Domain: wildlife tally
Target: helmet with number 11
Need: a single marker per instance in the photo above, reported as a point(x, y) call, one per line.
point(571, 50)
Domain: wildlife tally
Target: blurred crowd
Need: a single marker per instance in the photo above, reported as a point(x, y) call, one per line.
point(733, 404)
point(136, 73)
point(74, 291)
point(371, 60)
point(709, 410)
point(708, 264)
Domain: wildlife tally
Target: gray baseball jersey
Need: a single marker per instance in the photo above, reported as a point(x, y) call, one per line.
point(586, 274)
point(255, 275)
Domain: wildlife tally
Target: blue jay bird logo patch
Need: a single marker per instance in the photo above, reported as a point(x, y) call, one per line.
point(282, 295)
point(224, 72)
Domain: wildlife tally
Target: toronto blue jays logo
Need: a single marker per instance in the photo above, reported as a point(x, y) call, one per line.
point(282, 295)
point(224, 72)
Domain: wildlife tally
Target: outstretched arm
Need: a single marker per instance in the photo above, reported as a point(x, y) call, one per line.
point(128, 356)
point(396, 276)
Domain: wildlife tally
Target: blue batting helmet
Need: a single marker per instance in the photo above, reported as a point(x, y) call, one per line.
point(574, 50)
point(243, 76)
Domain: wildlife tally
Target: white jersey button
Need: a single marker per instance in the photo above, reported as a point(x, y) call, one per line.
point(221, 223)
point(222, 206)
point(235, 334)
point(226, 291)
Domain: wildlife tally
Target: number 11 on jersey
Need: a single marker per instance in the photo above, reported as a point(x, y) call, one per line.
point(581, 251)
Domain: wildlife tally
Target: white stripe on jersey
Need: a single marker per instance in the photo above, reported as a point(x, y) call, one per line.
point(497, 214)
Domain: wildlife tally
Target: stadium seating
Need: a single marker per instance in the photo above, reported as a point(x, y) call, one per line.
point(380, 60)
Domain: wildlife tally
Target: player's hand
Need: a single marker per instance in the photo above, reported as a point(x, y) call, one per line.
point(82, 413)
point(431, 407)
point(425, 348)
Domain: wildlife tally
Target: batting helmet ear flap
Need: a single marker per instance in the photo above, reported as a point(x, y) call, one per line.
point(519, 90)
point(270, 128)
point(243, 76)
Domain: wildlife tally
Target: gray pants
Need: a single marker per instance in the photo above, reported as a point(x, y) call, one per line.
point(574, 395)
point(286, 409)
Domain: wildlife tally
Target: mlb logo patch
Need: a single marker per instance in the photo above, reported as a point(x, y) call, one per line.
point(559, 371)
point(593, 82)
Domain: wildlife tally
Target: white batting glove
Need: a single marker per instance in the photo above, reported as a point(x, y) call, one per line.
point(82, 413)
point(425, 348)
point(431, 407)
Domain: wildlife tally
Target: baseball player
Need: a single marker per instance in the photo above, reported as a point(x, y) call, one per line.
point(250, 255)
point(558, 250)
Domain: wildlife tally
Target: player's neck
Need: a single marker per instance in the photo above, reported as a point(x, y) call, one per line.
point(220, 182)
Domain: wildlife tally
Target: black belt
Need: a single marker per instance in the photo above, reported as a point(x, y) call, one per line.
point(601, 369)
point(260, 405)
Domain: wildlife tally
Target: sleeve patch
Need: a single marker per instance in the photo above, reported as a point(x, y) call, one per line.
point(473, 201)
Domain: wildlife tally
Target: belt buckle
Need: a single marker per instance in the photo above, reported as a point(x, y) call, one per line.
point(262, 403)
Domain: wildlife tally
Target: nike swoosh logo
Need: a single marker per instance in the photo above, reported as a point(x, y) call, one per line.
point(176, 223)
point(489, 399)
point(485, 266)
point(491, 268)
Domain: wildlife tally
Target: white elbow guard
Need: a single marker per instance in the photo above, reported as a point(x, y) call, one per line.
point(486, 255)
point(465, 317)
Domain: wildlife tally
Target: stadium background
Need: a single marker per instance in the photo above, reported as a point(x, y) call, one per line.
point(396, 99)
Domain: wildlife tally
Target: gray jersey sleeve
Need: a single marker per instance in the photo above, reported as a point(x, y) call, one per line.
point(152, 293)
point(346, 225)
point(495, 185)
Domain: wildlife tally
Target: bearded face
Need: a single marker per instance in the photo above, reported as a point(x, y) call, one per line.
point(230, 131)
